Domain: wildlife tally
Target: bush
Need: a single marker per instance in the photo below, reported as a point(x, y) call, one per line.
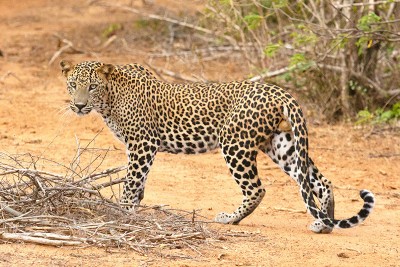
point(380, 115)
point(341, 56)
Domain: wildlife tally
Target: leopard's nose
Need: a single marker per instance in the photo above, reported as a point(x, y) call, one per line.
point(80, 106)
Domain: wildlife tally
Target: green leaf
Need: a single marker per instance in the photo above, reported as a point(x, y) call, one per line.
point(362, 44)
point(364, 113)
point(271, 49)
point(386, 116)
point(297, 58)
point(379, 111)
point(225, 2)
point(304, 36)
point(299, 62)
point(287, 77)
point(111, 29)
point(396, 108)
point(253, 20)
point(280, 3)
point(365, 22)
point(364, 116)
point(266, 3)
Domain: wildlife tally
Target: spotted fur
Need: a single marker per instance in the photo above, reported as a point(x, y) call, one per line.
point(242, 118)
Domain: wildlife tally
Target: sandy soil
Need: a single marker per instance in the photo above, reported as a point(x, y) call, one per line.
point(32, 94)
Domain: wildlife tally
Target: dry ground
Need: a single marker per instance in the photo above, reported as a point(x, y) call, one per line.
point(32, 93)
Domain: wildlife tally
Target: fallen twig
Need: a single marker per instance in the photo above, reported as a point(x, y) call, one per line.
point(384, 155)
point(9, 210)
point(108, 42)
point(9, 73)
point(353, 249)
point(275, 167)
point(38, 240)
point(290, 210)
point(68, 45)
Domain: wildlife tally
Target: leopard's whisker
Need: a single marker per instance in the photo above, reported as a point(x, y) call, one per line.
point(66, 113)
point(63, 109)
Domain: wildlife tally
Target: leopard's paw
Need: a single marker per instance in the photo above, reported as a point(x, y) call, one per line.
point(320, 228)
point(226, 218)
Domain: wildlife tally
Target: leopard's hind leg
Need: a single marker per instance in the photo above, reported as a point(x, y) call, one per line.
point(281, 150)
point(243, 167)
point(240, 148)
point(322, 189)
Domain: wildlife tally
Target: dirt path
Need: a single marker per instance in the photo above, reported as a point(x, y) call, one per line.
point(32, 94)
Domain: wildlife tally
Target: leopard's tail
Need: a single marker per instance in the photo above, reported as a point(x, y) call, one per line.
point(299, 129)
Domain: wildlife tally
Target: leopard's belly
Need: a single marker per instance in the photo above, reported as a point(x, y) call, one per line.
point(192, 140)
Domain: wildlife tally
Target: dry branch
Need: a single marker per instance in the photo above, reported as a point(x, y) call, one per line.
point(270, 74)
point(9, 73)
point(68, 46)
point(365, 4)
point(169, 20)
point(176, 76)
point(38, 240)
point(9, 210)
point(41, 206)
point(290, 210)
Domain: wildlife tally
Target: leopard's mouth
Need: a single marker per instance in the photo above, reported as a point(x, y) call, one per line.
point(81, 111)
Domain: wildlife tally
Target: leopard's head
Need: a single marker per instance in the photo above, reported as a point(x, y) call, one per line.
point(87, 84)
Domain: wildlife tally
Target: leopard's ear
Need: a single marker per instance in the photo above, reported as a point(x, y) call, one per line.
point(105, 71)
point(66, 67)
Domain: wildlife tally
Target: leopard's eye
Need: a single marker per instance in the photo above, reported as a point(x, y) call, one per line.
point(72, 84)
point(92, 86)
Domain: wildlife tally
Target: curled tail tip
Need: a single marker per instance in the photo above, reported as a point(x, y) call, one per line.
point(369, 203)
point(365, 192)
point(368, 197)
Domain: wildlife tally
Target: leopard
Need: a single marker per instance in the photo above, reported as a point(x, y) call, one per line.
point(241, 118)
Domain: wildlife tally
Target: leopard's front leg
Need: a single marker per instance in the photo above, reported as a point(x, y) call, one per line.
point(140, 158)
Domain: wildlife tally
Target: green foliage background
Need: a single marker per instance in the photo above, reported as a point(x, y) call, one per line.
point(343, 56)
